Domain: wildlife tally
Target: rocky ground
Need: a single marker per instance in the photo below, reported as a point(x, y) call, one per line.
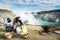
point(33, 34)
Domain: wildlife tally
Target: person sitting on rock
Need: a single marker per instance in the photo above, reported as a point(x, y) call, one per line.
point(9, 25)
point(9, 29)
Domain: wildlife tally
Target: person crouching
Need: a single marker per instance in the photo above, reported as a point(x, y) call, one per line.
point(19, 29)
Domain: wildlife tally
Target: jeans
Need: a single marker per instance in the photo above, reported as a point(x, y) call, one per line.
point(9, 29)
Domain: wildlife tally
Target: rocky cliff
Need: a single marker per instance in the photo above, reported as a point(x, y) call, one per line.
point(5, 14)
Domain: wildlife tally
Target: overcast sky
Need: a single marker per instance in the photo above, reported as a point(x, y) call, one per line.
point(22, 6)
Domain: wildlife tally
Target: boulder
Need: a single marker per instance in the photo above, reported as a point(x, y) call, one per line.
point(8, 35)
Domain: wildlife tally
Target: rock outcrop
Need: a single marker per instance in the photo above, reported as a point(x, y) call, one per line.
point(51, 15)
point(5, 14)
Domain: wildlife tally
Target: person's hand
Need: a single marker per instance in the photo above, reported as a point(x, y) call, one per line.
point(14, 25)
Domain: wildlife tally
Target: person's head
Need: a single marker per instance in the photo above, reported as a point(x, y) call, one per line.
point(8, 20)
point(18, 18)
